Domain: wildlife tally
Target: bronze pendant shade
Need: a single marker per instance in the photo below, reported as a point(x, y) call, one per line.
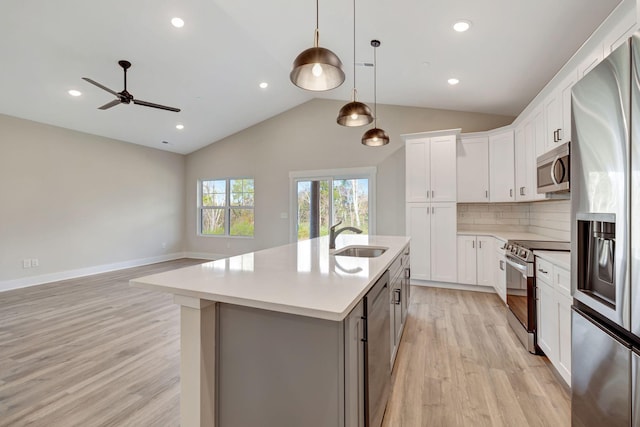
point(375, 137)
point(354, 113)
point(317, 68)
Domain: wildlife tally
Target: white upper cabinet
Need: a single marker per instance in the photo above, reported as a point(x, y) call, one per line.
point(473, 169)
point(528, 145)
point(443, 168)
point(501, 167)
point(417, 174)
point(557, 112)
point(431, 169)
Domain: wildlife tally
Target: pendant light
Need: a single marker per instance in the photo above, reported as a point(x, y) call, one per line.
point(317, 68)
point(375, 137)
point(354, 113)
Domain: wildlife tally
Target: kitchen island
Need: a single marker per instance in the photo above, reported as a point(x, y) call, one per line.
point(267, 338)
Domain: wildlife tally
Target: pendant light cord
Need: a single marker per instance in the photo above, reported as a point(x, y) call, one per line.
point(354, 50)
point(375, 88)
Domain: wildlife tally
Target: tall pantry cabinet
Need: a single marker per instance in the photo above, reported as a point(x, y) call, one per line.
point(431, 216)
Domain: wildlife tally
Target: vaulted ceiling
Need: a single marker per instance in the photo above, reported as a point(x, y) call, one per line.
point(211, 67)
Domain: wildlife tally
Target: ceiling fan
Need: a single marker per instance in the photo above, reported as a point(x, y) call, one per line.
point(125, 97)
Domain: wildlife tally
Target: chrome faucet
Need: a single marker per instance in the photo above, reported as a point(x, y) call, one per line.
point(333, 233)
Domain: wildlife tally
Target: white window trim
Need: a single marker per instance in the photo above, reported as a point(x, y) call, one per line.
point(332, 174)
point(227, 208)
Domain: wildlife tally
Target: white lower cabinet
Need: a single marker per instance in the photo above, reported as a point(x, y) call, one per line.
point(500, 269)
point(432, 227)
point(554, 301)
point(476, 260)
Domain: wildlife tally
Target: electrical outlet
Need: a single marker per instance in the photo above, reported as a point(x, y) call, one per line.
point(35, 262)
point(26, 263)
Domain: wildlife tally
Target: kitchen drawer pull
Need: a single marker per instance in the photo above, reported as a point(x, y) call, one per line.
point(501, 265)
point(486, 194)
point(511, 192)
point(433, 194)
point(542, 271)
point(396, 297)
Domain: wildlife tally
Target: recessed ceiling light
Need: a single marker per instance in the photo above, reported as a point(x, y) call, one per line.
point(453, 82)
point(179, 126)
point(177, 22)
point(74, 92)
point(264, 85)
point(462, 26)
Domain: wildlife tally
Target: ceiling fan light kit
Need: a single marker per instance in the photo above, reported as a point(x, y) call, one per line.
point(124, 97)
point(317, 68)
point(375, 137)
point(354, 113)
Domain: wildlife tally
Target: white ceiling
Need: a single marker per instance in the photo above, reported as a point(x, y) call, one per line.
point(212, 66)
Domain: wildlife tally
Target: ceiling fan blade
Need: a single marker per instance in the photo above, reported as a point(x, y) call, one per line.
point(110, 104)
point(93, 82)
point(151, 104)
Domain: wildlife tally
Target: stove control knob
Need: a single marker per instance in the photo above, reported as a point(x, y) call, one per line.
point(523, 253)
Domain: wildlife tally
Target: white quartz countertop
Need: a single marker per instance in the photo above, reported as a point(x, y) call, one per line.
point(301, 278)
point(506, 235)
point(559, 258)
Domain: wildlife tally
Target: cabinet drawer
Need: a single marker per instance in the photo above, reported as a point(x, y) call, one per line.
point(544, 270)
point(562, 279)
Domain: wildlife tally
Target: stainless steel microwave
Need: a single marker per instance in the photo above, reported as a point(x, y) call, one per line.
point(553, 170)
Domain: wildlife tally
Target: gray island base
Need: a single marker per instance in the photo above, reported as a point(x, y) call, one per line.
point(274, 338)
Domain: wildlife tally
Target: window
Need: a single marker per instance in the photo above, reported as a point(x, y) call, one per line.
point(322, 198)
point(226, 207)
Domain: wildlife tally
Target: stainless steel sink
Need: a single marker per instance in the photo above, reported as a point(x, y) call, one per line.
point(361, 251)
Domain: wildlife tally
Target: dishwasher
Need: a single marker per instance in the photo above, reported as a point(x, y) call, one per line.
point(377, 350)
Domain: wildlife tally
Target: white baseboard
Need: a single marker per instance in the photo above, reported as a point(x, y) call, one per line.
point(24, 282)
point(457, 286)
point(205, 255)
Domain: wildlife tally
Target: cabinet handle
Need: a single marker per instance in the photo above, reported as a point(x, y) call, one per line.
point(479, 244)
point(433, 210)
point(365, 329)
point(501, 265)
point(559, 135)
point(428, 193)
point(511, 192)
point(433, 194)
point(407, 273)
point(396, 297)
point(542, 271)
point(555, 135)
point(522, 191)
point(486, 194)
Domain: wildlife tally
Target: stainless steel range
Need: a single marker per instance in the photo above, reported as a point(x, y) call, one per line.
point(521, 286)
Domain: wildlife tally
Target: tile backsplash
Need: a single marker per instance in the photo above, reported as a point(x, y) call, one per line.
point(549, 218)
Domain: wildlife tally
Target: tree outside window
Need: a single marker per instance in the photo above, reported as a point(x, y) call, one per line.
point(226, 207)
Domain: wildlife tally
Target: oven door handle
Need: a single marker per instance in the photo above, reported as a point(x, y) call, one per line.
point(521, 268)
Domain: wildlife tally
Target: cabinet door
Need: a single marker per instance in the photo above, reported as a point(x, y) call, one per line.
point(552, 117)
point(485, 261)
point(473, 169)
point(444, 267)
point(501, 167)
point(521, 158)
point(537, 121)
point(417, 171)
point(467, 260)
point(443, 168)
point(354, 368)
point(564, 93)
point(564, 336)
point(419, 229)
point(547, 320)
point(501, 274)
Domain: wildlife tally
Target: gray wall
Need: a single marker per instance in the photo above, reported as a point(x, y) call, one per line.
point(77, 201)
point(308, 138)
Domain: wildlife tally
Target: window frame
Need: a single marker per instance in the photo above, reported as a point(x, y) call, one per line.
point(331, 175)
point(227, 208)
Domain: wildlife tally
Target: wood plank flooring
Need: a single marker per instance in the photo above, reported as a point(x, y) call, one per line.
point(459, 364)
point(95, 352)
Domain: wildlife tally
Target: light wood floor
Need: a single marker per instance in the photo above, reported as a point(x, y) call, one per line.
point(96, 352)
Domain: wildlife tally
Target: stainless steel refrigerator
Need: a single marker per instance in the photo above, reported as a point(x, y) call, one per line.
point(605, 207)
